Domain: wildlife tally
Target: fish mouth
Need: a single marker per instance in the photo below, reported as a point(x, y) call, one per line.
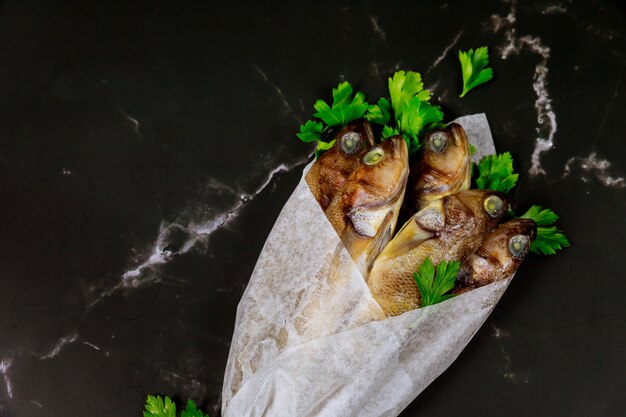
point(458, 133)
point(366, 219)
point(423, 225)
point(522, 226)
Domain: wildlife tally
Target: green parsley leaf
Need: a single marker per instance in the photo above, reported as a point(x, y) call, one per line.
point(403, 86)
point(411, 109)
point(434, 286)
point(192, 411)
point(342, 94)
point(345, 108)
point(549, 238)
point(472, 149)
point(388, 132)
point(165, 407)
point(159, 407)
point(416, 115)
point(323, 147)
point(379, 113)
point(541, 216)
point(311, 131)
point(474, 68)
point(495, 172)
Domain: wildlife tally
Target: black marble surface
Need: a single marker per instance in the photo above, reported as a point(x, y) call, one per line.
point(146, 149)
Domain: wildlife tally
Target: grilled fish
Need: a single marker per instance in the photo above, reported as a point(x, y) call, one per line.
point(364, 214)
point(442, 168)
point(330, 172)
point(499, 255)
point(447, 229)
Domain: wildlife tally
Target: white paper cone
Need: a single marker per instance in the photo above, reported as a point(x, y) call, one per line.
point(309, 338)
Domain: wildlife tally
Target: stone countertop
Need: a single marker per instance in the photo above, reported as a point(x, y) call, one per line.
point(147, 148)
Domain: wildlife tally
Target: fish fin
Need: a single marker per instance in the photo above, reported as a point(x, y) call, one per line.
point(432, 217)
point(364, 250)
point(367, 221)
point(408, 238)
point(378, 246)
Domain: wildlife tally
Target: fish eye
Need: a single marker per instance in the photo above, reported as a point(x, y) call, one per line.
point(351, 142)
point(494, 206)
point(437, 141)
point(518, 245)
point(374, 156)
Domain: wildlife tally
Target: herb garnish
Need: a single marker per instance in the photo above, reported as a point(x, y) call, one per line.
point(165, 407)
point(345, 108)
point(435, 283)
point(474, 68)
point(407, 113)
point(412, 112)
point(495, 172)
point(549, 238)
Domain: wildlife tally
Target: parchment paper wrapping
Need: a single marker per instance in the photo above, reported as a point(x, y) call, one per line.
point(310, 340)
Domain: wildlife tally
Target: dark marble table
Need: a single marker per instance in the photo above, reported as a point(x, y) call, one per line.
point(146, 149)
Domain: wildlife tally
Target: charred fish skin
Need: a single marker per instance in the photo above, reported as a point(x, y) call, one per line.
point(330, 172)
point(447, 229)
point(443, 166)
point(500, 254)
point(365, 213)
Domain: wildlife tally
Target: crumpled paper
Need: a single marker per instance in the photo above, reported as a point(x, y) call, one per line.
point(309, 338)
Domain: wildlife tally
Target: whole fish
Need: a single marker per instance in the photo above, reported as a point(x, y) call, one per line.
point(447, 229)
point(442, 167)
point(500, 254)
point(330, 172)
point(365, 212)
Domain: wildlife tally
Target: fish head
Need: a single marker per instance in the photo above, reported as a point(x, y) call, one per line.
point(500, 254)
point(380, 176)
point(371, 201)
point(443, 166)
point(329, 174)
point(474, 212)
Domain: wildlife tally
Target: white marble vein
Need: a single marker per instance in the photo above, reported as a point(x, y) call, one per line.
point(554, 9)
point(286, 105)
point(378, 30)
point(195, 232)
point(37, 403)
point(445, 51)
point(91, 345)
point(134, 123)
point(5, 364)
point(60, 344)
point(546, 118)
point(498, 332)
point(596, 166)
point(508, 372)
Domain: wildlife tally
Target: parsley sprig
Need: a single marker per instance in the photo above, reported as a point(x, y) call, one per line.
point(474, 68)
point(410, 107)
point(165, 407)
point(549, 238)
point(346, 107)
point(434, 282)
point(495, 172)
point(408, 112)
